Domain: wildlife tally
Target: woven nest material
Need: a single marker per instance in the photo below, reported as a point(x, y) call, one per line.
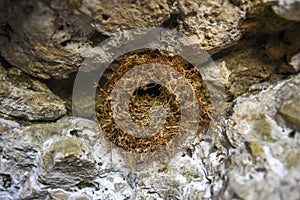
point(143, 99)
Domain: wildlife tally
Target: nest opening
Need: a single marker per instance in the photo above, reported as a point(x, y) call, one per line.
point(145, 97)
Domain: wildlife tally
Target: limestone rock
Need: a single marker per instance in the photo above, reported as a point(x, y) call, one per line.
point(261, 164)
point(23, 97)
point(285, 68)
point(45, 28)
point(109, 17)
point(68, 161)
point(250, 151)
point(68, 154)
point(214, 23)
point(288, 9)
point(243, 69)
point(37, 35)
point(291, 112)
point(49, 39)
point(295, 62)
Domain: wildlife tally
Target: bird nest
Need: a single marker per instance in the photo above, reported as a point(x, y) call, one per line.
point(145, 97)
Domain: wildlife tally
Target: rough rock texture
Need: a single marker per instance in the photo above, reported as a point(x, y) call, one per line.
point(250, 150)
point(23, 97)
point(50, 39)
point(290, 112)
point(257, 153)
point(214, 23)
point(62, 156)
point(283, 47)
point(109, 16)
point(244, 68)
point(288, 9)
point(42, 32)
point(263, 146)
point(294, 61)
point(47, 27)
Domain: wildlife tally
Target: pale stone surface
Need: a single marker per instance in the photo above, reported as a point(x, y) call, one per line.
point(290, 111)
point(250, 150)
point(295, 62)
point(67, 161)
point(254, 150)
point(23, 97)
point(214, 23)
point(288, 9)
point(263, 146)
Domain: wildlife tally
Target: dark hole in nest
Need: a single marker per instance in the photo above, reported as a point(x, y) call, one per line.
point(151, 89)
point(105, 17)
point(143, 98)
point(149, 95)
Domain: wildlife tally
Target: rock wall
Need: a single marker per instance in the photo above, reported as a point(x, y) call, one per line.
point(250, 150)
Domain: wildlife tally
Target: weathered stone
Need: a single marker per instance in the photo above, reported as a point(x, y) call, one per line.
point(290, 111)
point(261, 160)
point(285, 68)
point(294, 62)
point(50, 26)
point(109, 17)
point(288, 9)
point(261, 19)
point(50, 39)
point(44, 33)
point(266, 163)
point(292, 159)
point(244, 68)
point(214, 23)
point(59, 194)
point(22, 149)
point(68, 161)
point(256, 149)
point(21, 96)
point(248, 153)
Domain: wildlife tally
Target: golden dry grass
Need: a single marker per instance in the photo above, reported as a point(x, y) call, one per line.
point(142, 100)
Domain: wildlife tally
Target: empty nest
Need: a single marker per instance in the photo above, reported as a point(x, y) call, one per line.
point(145, 97)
